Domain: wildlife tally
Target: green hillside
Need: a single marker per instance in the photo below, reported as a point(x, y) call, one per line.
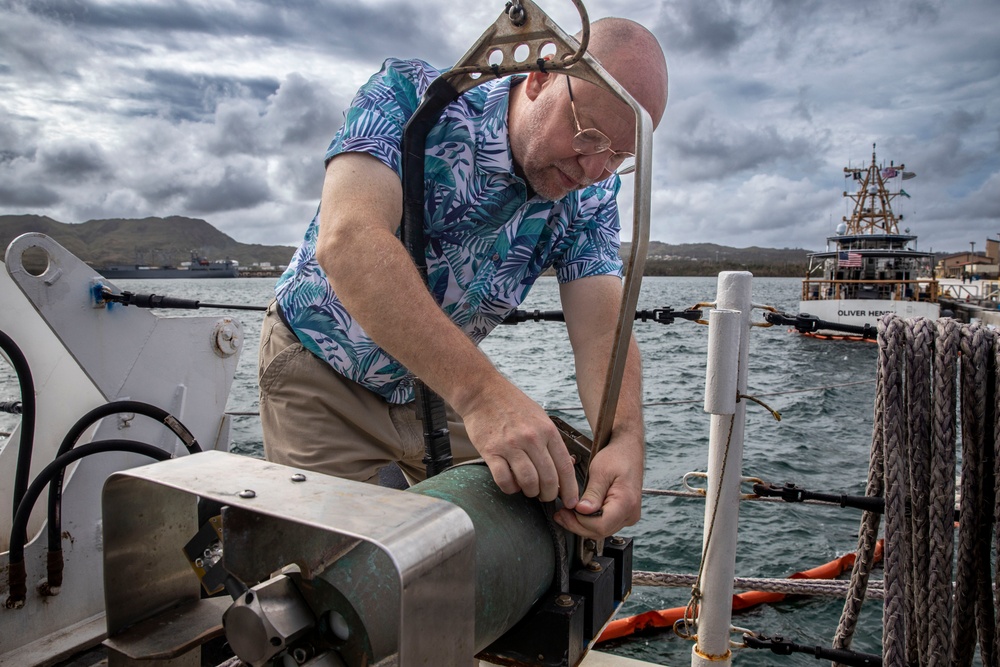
point(708, 259)
point(150, 241)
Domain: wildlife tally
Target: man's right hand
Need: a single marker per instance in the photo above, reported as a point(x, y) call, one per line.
point(521, 445)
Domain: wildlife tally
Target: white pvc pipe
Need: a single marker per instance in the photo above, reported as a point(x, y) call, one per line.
point(723, 361)
point(725, 462)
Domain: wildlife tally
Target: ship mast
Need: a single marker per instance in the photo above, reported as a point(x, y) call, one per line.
point(872, 202)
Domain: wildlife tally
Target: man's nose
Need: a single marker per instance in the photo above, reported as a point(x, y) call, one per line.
point(593, 165)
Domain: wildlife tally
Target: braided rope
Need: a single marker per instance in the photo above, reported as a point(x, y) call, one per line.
point(964, 628)
point(867, 532)
point(980, 340)
point(816, 587)
point(986, 611)
point(919, 338)
point(941, 522)
point(890, 337)
point(913, 464)
point(996, 485)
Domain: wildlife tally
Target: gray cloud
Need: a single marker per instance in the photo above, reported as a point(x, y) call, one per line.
point(224, 110)
point(23, 196)
point(239, 186)
point(74, 161)
point(184, 96)
point(710, 28)
point(709, 148)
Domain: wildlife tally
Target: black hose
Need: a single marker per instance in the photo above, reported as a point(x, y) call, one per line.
point(27, 441)
point(160, 301)
point(17, 575)
point(82, 424)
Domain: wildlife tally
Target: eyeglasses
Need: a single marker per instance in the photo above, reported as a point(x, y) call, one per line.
point(591, 141)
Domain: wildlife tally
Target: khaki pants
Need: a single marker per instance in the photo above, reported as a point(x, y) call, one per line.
point(315, 418)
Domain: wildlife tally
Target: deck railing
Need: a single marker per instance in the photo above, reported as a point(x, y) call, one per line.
point(924, 289)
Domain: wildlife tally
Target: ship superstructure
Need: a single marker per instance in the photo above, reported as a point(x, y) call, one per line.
point(870, 268)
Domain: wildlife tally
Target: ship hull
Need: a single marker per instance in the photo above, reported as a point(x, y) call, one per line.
point(859, 312)
point(160, 274)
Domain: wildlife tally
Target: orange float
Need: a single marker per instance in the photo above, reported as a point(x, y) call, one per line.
point(819, 336)
point(665, 618)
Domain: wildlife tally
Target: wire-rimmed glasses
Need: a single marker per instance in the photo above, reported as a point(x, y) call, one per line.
point(591, 141)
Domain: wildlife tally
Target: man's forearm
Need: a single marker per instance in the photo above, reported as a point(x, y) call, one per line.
point(377, 282)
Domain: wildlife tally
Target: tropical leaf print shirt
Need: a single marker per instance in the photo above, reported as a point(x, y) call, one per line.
point(486, 241)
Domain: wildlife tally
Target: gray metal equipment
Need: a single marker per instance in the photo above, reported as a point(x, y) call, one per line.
point(352, 572)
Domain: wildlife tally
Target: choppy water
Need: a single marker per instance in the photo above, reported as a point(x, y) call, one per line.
point(820, 444)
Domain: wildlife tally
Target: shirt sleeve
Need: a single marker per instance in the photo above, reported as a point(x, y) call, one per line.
point(594, 243)
point(374, 122)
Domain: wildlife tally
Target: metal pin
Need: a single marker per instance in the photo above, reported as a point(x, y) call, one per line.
point(248, 493)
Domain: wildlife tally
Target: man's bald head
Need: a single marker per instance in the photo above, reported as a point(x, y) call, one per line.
point(632, 55)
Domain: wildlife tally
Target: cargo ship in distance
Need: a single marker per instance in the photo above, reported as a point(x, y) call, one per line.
point(869, 268)
point(198, 268)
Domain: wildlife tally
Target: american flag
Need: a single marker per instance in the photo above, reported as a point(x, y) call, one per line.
point(849, 260)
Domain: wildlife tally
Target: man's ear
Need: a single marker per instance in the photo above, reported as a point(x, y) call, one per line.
point(536, 82)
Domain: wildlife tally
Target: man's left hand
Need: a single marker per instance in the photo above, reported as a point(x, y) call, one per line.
point(614, 487)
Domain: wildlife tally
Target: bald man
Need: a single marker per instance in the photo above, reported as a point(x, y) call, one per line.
point(522, 175)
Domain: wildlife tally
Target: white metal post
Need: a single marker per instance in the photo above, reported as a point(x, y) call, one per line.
point(726, 376)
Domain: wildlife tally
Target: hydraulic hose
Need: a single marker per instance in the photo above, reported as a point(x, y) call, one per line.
point(17, 574)
point(27, 439)
point(55, 559)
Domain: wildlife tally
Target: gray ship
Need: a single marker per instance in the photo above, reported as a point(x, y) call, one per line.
point(199, 268)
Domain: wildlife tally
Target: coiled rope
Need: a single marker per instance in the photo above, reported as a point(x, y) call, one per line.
point(927, 372)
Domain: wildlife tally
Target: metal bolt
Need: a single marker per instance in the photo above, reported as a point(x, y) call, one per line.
point(590, 545)
point(564, 601)
point(617, 541)
point(248, 493)
point(300, 655)
point(298, 477)
point(594, 566)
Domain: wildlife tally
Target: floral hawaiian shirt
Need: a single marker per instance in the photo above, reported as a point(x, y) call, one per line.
point(486, 240)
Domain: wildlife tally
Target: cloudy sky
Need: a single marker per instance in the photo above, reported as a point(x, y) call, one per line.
point(222, 110)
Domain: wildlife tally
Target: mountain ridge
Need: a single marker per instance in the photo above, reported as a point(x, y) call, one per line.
point(170, 240)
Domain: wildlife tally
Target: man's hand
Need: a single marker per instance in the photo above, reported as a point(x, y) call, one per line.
point(614, 486)
point(521, 445)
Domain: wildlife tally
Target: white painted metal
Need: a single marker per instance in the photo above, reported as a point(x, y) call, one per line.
point(169, 362)
point(725, 462)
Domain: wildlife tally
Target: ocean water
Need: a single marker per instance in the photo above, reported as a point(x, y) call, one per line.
point(824, 391)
